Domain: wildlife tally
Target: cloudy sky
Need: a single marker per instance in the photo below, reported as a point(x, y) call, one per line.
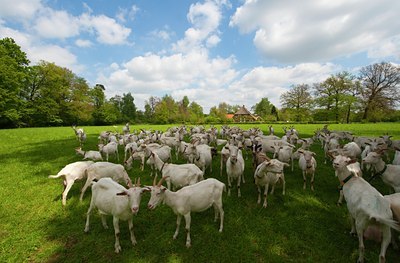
point(209, 50)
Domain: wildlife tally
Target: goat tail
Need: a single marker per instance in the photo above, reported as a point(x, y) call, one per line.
point(56, 176)
point(387, 221)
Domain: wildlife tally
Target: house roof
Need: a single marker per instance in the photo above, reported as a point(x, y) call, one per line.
point(243, 111)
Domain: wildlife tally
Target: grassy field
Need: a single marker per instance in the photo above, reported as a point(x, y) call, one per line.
point(302, 226)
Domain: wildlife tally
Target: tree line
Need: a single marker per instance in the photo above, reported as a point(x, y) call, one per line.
point(49, 95)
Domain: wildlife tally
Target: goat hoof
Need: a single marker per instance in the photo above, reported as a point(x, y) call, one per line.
point(118, 249)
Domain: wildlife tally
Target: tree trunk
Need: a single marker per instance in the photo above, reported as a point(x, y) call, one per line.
point(366, 111)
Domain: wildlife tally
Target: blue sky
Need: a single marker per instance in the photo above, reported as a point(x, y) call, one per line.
point(211, 51)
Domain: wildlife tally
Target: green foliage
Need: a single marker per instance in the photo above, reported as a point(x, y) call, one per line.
point(265, 110)
point(301, 226)
point(46, 95)
point(13, 74)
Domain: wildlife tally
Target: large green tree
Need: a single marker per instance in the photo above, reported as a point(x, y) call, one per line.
point(297, 100)
point(333, 94)
point(13, 76)
point(380, 84)
point(54, 95)
point(128, 107)
point(166, 110)
point(264, 109)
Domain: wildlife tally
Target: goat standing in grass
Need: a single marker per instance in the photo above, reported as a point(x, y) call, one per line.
point(268, 173)
point(193, 198)
point(235, 168)
point(307, 164)
point(367, 207)
point(80, 135)
point(179, 175)
point(111, 198)
point(71, 173)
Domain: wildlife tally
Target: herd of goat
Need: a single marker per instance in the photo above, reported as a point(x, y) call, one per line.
point(373, 215)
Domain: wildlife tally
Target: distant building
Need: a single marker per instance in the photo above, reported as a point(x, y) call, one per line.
point(230, 115)
point(243, 115)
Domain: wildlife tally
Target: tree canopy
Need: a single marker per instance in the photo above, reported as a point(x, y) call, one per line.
point(46, 94)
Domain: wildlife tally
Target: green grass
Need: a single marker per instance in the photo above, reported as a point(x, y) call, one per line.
point(302, 226)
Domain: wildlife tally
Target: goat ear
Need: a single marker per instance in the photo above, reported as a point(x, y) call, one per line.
point(146, 189)
point(123, 193)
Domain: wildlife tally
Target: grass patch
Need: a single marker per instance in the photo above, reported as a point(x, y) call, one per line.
point(302, 226)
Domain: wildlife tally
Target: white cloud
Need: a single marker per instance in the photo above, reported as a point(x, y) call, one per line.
point(161, 34)
point(387, 49)
point(24, 40)
point(170, 74)
point(53, 53)
point(108, 31)
point(271, 82)
point(56, 24)
point(21, 9)
point(37, 51)
point(205, 18)
point(298, 31)
point(83, 43)
point(123, 13)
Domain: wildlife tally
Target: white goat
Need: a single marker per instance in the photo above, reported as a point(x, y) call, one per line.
point(135, 156)
point(364, 154)
point(352, 150)
point(268, 173)
point(179, 175)
point(224, 157)
point(125, 129)
point(345, 167)
point(390, 173)
point(201, 156)
point(367, 206)
point(396, 159)
point(111, 198)
point(268, 145)
point(331, 143)
point(193, 198)
point(284, 154)
point(164, 152)
point(129, 149)
point(105, 169)
point(71, 173)
point(89, 155)
point(235, 168)
point(109, 148)
point(80, 135)
point(308, 165)
point(172, 142)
